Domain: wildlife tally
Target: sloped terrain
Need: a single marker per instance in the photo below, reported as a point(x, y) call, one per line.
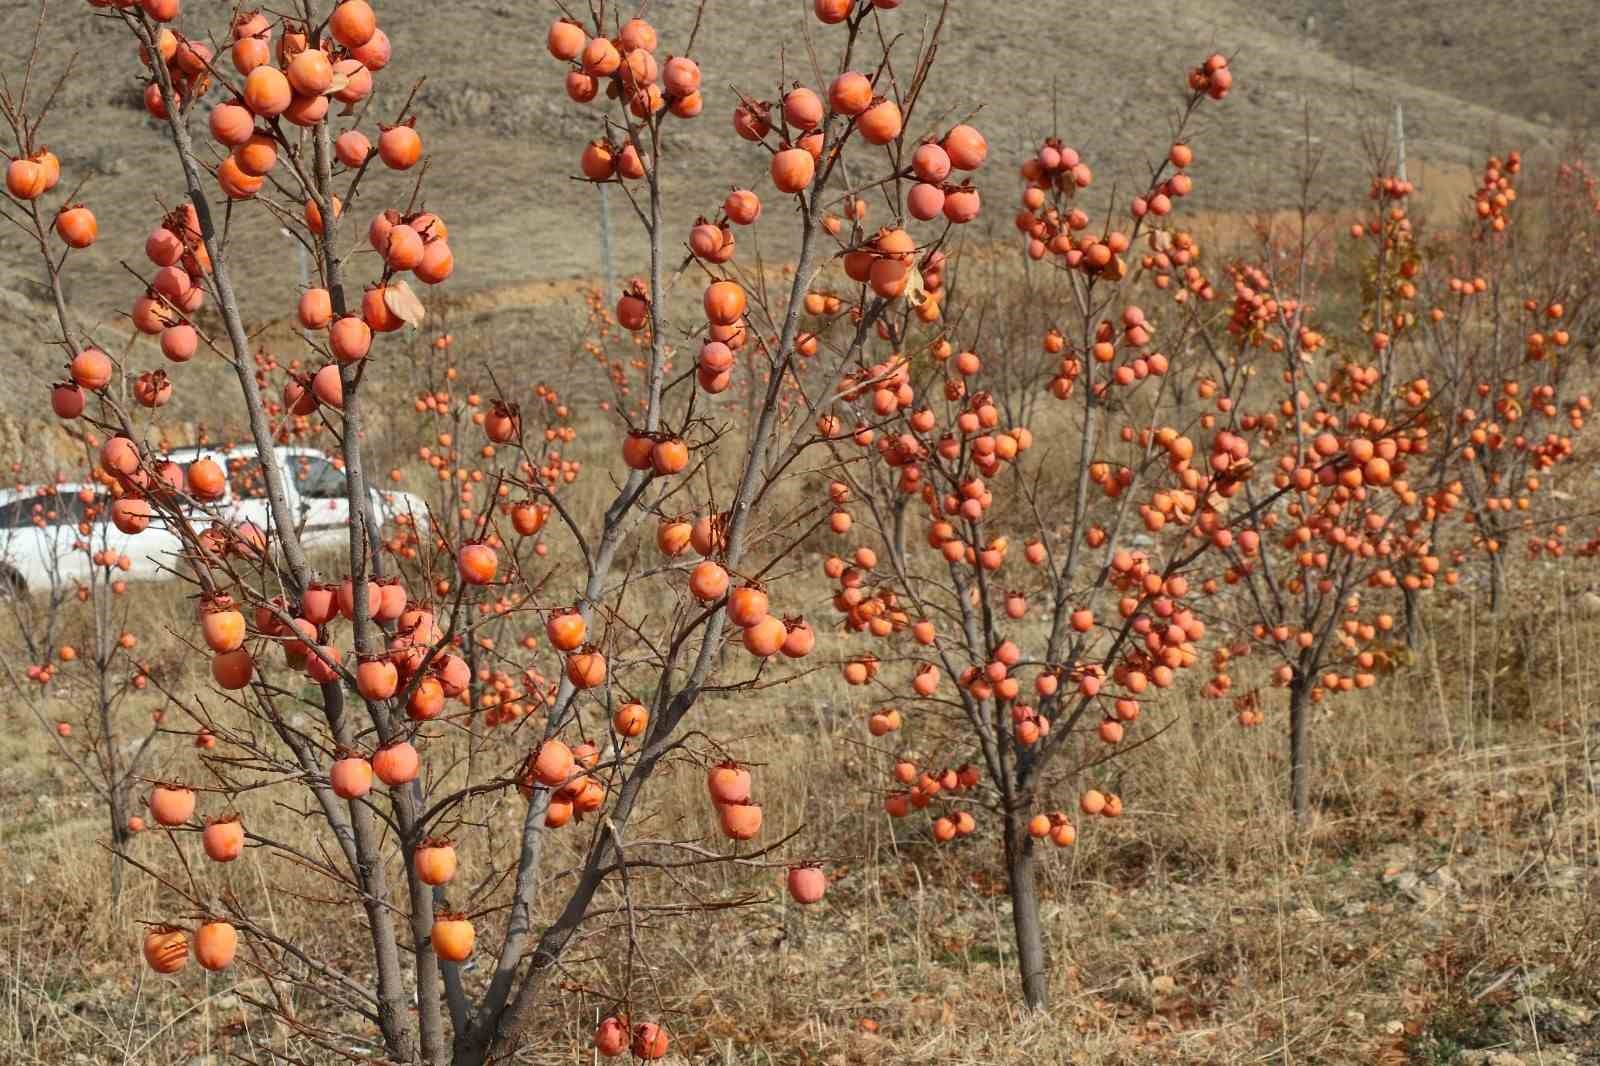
point(503, 138)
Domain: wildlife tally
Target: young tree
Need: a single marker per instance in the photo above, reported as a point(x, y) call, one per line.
point(1025, 676)
point(64, 530)
point(625, 654)
point(82, 665)
point(1380, 444)
point(1511, 297)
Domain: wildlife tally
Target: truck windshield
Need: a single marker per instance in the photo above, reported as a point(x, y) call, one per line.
point(54, 509)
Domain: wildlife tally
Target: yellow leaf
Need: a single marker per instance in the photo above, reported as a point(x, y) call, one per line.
point(403, 303)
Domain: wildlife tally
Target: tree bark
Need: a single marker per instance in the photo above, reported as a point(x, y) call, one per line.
point(1414, 624)
point(1497, 582)
point(117, 806)
point(1300, 748)
point(1025, 923)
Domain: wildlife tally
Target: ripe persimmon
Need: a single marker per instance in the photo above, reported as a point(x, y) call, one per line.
point(403, 249)
point(215, 944)
point(171, 805)
point(600, 58)
point(630, 719)
point(350, 339)
point(310, 72)
point(166, 948)
point(766, 637)
point(377, 679)
point(477, 563)
point(223, 838)
point(352, 148)
point(435, 860)
point(350, 777)
point(315, 309)
point(552, 764)
point(452, 937)
point(724, 302)
point(740, 821)
point(76, 226)
point(747, 605)
point(222, 625)
point(566, 630)
point(566, 40)
point(399, 147)
point(267, 91)
point(375, 54)
point(803, 108)
point(708, 581)
point(91, 369)
point(669, 455)
point(881, 122)
point(966, 147)
point(232, 669)
point(742, 207)
point(851, 93)
point(586, 668)
point(728, 782)
point(792, 169)
point(807, 883)
point(831, 11)
point(25, 179)
point(353, 23)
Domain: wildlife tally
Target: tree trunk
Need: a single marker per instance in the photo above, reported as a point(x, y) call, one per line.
point(117, 807)
point(1497, 582)
point(1025, 922)
point(1413, 605)
point(1300, 748)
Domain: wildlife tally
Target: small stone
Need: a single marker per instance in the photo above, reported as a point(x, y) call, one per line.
point(1444, 880)
point(1491, 1058)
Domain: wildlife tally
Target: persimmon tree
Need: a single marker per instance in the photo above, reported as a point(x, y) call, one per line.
point(1511, 293)
point(581, 676)
point(1026, 589)
point(1378, 439)
point(1340, 428)
point(81, 666)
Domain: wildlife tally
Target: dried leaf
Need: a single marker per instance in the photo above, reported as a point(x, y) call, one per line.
point(916, 292)
point(403, 303)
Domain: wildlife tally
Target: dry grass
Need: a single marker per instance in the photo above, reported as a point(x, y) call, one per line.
point(1443, 901)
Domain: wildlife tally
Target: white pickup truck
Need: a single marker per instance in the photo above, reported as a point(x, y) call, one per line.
point(41, 543)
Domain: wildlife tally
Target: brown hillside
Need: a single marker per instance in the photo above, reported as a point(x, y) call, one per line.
point(502, 137)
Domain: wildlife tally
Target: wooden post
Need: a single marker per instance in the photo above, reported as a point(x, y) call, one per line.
point(1400, 142)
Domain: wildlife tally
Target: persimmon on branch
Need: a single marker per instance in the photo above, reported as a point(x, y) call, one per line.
point(929, 462)
point(1376, 440)
point(286, 137)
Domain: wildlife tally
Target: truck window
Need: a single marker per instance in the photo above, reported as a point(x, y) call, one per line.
point(315, 478)
point(246, 478)
point(53, 510)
